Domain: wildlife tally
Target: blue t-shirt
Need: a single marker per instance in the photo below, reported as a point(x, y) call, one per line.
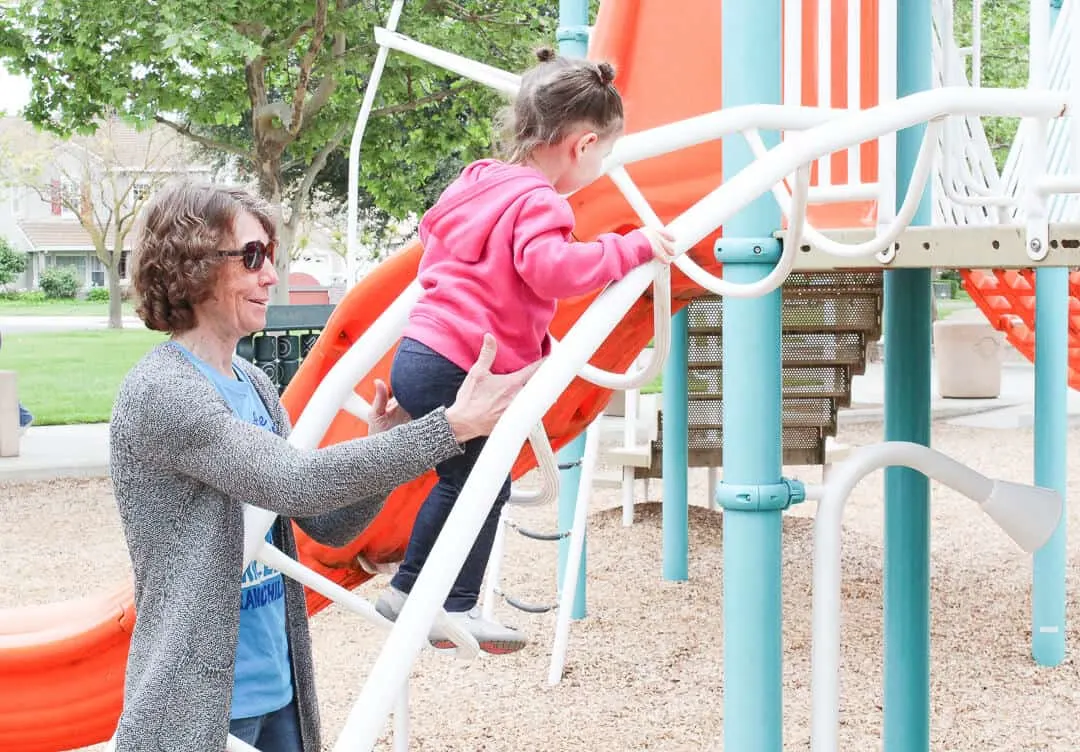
point(263, 681)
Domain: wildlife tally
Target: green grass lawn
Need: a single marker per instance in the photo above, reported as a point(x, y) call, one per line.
point(60, 308)
point(72, 377)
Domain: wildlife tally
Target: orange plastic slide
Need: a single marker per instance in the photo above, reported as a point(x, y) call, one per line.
point(62, 664)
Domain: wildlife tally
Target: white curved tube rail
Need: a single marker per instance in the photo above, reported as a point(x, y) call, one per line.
point(924, 164)
point(661, 303)
point(854, 127)
point(548, 467)
point(991, 494)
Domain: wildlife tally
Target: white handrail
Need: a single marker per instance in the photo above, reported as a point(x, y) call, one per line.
point(739, 190)
point(467, 647)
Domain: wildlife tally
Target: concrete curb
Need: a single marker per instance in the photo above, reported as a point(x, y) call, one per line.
point(40, 473)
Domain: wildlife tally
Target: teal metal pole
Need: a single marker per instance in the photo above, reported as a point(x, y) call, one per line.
point(1051, 464)
point(570, 480)
point(573, 39)
point(675, 462)
point(753, 694)
point(1051, 438)
point(907, 325)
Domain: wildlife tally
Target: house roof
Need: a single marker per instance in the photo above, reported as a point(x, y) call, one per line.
point(117, 147)
point(114, 142)
point(63, 235)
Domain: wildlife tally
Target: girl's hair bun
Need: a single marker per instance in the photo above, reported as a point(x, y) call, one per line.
point(607, 73)
point(545, 54)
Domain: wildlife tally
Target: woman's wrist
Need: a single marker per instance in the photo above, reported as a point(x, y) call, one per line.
point(461, 429)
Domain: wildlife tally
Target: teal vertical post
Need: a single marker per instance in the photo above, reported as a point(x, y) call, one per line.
point(675, 462)
point(569, 481)
point(1051, 438)
point(753, 694)
point(907, 326)
point(1051, 463)
point(573, 39)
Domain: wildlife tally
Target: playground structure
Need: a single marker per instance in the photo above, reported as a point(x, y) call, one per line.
point(658, 175)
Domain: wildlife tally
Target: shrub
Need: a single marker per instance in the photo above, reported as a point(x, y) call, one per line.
point(98, 294)
point(58, 283)
point(12, 263)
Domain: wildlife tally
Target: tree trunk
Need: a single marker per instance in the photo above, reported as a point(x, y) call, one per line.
point(270, 188)
point(112, 273)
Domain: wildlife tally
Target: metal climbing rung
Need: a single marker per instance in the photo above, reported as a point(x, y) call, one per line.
point(557, 536)
point(529, 608)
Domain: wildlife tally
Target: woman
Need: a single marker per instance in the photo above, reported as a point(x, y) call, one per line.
point(196, 433)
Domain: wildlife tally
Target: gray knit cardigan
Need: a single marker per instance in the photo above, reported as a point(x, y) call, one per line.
point(181, 466)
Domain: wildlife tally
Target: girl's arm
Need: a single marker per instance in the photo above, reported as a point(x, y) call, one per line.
point(555, 266)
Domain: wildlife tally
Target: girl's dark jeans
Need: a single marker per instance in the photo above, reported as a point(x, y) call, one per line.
point(422, 380)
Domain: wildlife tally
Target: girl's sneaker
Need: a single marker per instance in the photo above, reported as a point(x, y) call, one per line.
point(492, 637)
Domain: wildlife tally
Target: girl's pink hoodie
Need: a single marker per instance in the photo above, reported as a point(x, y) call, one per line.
point(497, 256)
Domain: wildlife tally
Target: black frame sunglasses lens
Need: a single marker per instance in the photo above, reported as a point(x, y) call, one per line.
point(256, 253)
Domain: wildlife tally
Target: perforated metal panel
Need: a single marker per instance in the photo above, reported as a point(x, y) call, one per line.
point(796, 348)
point(840, 282)
point(859, 312)
point(800, 444)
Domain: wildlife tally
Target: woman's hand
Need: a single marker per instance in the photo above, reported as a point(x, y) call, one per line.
point(385, 411)
point(484, 396)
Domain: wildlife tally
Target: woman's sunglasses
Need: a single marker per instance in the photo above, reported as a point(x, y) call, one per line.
point(254, 253)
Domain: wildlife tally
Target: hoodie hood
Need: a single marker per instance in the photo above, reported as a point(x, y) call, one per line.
point(469, 208)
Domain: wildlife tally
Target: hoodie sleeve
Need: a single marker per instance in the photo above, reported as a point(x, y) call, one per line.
point(554, 266)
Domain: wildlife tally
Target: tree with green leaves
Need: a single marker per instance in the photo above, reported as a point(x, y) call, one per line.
point(276, 87)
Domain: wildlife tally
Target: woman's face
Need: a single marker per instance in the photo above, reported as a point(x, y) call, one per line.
point(238, 307)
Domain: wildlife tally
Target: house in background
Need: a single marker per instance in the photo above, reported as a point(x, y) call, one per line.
point(37, 216)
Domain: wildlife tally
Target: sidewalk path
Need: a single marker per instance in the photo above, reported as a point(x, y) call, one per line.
point(47, 452)
point(1014, 407)
point(31, 324)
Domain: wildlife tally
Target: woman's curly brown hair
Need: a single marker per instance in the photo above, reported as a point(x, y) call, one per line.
point(175, 264)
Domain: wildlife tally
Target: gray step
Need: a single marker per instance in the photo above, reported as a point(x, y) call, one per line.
point(858, 312)
point(705, 382)
point(796, 349)
point(801, 445)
